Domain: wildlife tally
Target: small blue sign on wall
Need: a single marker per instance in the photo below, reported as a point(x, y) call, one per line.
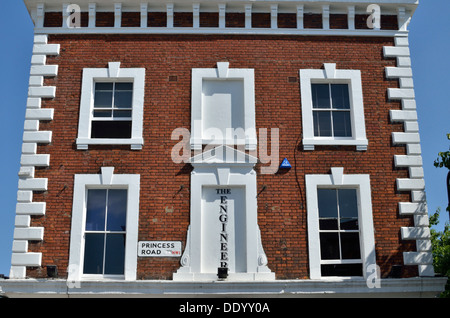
point(285, 164)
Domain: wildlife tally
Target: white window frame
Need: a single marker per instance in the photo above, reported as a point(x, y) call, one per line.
point(223, 72)
point(106, 180)
point(114, 73)
point(330, 75)
point(338, 180)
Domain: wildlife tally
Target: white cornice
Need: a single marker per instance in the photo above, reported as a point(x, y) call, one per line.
point(134, 5)
point(402, 9)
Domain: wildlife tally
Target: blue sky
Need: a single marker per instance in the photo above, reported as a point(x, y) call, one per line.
point(429, 44)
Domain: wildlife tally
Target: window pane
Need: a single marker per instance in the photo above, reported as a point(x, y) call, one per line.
point(95, 210)
point(341, 124)
point(350, 246)
point(102, 113)
point(124, 86)
point(103, 99)
point(349, 224)
point(322, 123)
point(123, 95)
point(103, 95)
point(117, 210)
point(328, 224)
point(104, 86)
point(111, 129)
point(115, 254)
point(320, 95)
point(339, 96)
point(348, 204)
point(341, 270)
point(122, 114)
point(93, 253)
point(327, 203)
point(123, 99)
point(329, 246)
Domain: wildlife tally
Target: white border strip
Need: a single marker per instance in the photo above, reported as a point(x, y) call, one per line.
point(227, 31)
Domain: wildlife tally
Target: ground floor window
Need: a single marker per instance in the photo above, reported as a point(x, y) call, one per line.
point(340, 250)
point(105, 231)
point(340, 225)
point(105, 222)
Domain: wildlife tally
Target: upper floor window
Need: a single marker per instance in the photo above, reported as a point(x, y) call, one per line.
point(111, 107)
point(332, 108)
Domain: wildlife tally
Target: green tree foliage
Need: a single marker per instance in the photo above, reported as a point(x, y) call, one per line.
point(443, 160)
point(440, 242)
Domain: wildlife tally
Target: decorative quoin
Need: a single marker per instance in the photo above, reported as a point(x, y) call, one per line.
point(116, 87)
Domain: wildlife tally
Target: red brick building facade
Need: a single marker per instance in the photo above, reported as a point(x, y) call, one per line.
point(279, 51)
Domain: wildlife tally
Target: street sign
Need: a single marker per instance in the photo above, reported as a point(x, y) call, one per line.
point(159, 249)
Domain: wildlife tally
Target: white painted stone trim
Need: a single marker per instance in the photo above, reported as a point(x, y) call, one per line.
point(34, 184)
point(407, 161)
point(40, 114)
point(113, 73)
point(413, 208)
point(415, 287)
point(413, 159)
point(45, 49)
point(410, 184)
point(20, 246)
point(44, 70)
point(337, 179)
point(397, 72)
point(403, 115)
point(23, 260)
point(400, 93)
point(25, 207)
point(40, 137)
point(31, 208)
point(417, 258)
point(405, 138)
point(40, 160)
point(224, 31)
point(414, 233)
point(31, 233)
point(332, 75)
point(106, 180)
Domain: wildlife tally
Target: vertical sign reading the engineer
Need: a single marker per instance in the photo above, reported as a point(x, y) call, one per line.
point(223, 218)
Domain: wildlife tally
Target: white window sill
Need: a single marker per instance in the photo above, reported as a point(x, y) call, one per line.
point(361, 144)
point(94, 277)
point(135, 143)
point(250, 143)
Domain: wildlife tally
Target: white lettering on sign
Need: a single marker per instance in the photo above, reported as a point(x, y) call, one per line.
point(159, 248)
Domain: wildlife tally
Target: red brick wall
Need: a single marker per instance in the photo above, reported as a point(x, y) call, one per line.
point(164, 208)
